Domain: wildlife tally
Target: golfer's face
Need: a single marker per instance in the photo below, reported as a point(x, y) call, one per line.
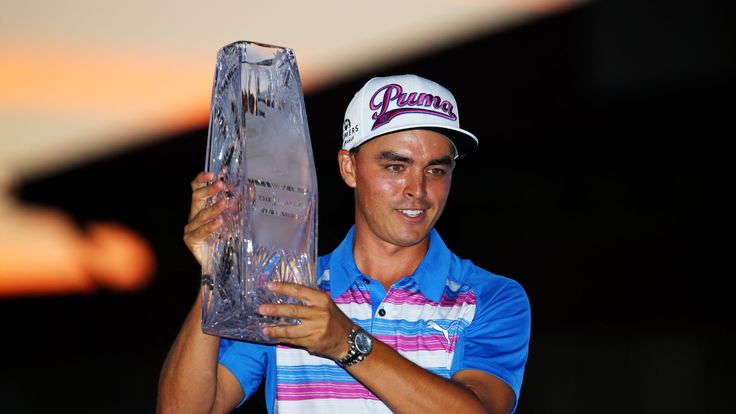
point(402, 181)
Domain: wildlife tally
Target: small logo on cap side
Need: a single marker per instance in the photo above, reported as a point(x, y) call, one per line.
point(421, 103)
point(348, 131)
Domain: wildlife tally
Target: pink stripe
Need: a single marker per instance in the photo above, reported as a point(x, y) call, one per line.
point(404, 296)
point(353, 296)
point(427, 342)
point(467, 298)
point(320, 390)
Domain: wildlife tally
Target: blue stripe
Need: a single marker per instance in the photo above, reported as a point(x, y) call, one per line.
point(406, 328)
point(442, 372)
point(453, 294)
point(299, 374)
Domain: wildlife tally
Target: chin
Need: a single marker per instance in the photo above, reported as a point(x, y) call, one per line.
point(408, 240)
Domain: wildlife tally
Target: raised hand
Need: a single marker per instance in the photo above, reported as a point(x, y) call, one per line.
point(203, 221)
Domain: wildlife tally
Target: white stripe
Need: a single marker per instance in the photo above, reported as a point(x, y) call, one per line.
point(426, 359)
point(430, 359)
point(325, 276)
point(295, 356)
point(413, 313)
point(331, 406)
point(452, 285)
point(361, 311)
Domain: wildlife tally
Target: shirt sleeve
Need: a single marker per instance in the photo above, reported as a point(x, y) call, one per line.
point(246, 361)
point(497, 341)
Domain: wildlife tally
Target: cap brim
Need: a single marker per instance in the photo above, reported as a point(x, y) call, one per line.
point(463, 140)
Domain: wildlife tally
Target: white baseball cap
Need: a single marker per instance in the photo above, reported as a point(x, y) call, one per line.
point(395, 103)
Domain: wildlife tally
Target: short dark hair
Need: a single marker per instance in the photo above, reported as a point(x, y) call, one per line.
point(354, 150)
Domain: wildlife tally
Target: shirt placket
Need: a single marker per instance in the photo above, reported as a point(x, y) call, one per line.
point(378, 295)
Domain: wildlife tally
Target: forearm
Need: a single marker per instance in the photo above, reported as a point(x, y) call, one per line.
point(188, 381)
point(407, 388)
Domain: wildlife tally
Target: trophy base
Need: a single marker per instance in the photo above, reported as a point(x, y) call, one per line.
point(241, 320)
point(248, 328)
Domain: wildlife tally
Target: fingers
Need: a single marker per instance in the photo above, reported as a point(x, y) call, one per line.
point(312, 327)
point(323, 327)
point(206, 215)
point(289, 310)
point(195, 238)
point(202, 194)
point(286, 333)
point(203, 224)
point(290, 333)
point(303, 293)
point(203, 221)
point(202, 179)
point(194, 235)
point(305, 313)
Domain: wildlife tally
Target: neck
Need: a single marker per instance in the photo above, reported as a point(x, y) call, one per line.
point(383, 261)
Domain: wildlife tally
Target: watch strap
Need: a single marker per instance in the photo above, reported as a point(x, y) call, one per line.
point(354, 355)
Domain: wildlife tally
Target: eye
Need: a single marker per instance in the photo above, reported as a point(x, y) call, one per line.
point(437, 171)
point(395, 167)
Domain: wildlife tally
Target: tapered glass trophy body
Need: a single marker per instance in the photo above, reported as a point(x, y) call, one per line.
point(259, 146)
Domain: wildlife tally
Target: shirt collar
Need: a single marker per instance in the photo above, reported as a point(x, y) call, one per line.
point(430, 275)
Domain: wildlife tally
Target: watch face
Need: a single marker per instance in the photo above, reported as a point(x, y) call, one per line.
point(363, 342)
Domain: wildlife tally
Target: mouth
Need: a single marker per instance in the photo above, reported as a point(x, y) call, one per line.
point(411, 213)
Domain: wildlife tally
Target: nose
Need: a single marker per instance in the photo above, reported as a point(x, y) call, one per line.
point(415, 185)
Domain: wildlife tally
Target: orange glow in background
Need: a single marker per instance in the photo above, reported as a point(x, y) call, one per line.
point(42, 252)
point(82, 79)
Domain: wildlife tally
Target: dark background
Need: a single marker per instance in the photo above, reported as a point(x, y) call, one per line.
point(601, 184)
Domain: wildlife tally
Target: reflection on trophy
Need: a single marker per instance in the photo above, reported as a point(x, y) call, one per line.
point(258, 145)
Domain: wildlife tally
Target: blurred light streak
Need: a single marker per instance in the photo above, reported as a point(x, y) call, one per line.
point(43, 252)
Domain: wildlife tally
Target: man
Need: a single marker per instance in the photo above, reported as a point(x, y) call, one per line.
point(399, 323)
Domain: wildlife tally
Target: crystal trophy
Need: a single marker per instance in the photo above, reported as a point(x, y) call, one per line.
point(258, 144)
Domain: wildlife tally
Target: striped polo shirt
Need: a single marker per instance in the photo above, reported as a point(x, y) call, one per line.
point(447, 316)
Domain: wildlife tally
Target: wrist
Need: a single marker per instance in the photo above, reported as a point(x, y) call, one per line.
point(344, 349)
point(360, 345)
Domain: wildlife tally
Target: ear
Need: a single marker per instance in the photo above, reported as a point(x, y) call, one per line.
point(346, 160)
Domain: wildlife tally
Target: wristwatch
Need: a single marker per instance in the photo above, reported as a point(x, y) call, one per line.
point(361, 344)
